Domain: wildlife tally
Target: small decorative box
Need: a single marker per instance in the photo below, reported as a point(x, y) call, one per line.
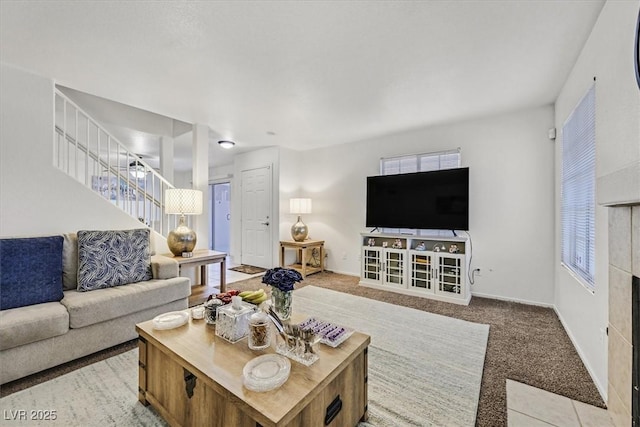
point(232, 320)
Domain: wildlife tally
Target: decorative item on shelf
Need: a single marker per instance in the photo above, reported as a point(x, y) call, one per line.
point(232, 320)
point(397, 244)
point(454, 249)
point(385, 244)
point(421, 247)
point(182, 201)
point(438, 247)
point(282, 281)
point(299, 230)
point(371, 242)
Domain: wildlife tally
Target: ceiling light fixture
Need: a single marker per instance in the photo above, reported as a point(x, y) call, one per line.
point(137, 170)
point(226, 144)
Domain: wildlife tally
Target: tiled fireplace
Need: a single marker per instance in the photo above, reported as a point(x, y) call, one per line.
point(624, 264)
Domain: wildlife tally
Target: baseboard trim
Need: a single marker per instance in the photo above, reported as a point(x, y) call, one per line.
point(601, 389)
point(518, 300)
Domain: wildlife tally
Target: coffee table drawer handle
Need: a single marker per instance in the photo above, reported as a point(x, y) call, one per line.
point(333, 410)
point(190, 383)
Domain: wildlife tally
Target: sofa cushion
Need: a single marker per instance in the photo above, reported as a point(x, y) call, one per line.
point(30, 271)
point(70, 261)
point(24, 325)
point(87, 308)
point(112, 258)
point(163, 267)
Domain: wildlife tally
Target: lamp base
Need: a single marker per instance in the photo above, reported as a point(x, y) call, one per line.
point(182, 239)
point(299, 231)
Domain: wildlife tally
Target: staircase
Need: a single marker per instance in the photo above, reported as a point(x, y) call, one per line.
point(84, 150)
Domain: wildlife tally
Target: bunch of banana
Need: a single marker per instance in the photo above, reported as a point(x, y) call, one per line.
point(254, 297)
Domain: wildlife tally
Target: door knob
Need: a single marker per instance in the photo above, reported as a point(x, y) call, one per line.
point(264, 222)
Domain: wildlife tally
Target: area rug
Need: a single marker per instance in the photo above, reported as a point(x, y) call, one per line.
point(424, 370)
point(248, 269)
point(102, 394)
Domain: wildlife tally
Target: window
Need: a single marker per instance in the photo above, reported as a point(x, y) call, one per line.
point(418, 163)
point(578, 190)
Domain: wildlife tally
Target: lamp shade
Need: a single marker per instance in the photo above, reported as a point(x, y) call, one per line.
point(300, 206)
point(183, 201)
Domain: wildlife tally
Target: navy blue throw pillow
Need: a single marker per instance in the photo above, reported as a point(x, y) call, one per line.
point(30, 271)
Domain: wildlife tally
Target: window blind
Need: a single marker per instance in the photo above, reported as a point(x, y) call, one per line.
point(420, 162)
point(578, 190)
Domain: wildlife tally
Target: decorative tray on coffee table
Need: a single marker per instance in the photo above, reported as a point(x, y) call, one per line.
point(330, 334)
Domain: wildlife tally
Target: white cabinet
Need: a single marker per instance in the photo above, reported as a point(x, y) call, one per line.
point(417, 265)
point(384, 266)
point(450, 275)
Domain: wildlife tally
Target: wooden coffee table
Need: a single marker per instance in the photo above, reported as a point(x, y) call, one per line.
point(193, 378)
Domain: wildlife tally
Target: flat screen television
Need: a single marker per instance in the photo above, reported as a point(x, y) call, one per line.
point(437, 200)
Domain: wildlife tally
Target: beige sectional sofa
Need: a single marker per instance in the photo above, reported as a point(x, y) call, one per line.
point(40, 336)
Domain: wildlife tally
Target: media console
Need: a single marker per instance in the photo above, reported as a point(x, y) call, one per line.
point(425, 266)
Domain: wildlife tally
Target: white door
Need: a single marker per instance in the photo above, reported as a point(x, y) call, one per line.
point(256, 217)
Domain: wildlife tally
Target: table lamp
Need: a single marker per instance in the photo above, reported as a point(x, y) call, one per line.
point(299, 230)
point(182, 201)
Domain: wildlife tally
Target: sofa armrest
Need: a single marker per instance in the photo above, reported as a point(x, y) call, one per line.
point(163, 267)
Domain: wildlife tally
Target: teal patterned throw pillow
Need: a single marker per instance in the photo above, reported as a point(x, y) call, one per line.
point(112, 258)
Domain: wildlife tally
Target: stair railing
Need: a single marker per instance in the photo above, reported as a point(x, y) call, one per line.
point(94, 157)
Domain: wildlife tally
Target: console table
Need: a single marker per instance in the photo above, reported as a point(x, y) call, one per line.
point(201, 258)
point(303, 249)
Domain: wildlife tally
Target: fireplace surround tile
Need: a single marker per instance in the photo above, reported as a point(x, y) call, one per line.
point(620, 367)
point(619, 297)
point(620, 415)
point(620, 238)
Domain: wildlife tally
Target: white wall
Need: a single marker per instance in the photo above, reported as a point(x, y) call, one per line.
point(608, 56)
point(511, 197)
point(35, 197)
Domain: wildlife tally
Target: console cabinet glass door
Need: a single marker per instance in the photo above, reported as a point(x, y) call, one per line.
point(450, 275)
point(421, 270)
point(394, 267)
point(372, 264)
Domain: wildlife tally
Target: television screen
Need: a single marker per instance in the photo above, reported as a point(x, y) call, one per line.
point(436, 200)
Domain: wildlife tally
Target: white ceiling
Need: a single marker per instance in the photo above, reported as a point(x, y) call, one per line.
point(315, 73)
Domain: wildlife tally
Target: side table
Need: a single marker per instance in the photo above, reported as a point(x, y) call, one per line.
point(303, 254)
point(201, 258)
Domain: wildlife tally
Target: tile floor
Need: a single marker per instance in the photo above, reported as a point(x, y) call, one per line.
point(532, 407)
point(526, 406)
point(232, 276)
